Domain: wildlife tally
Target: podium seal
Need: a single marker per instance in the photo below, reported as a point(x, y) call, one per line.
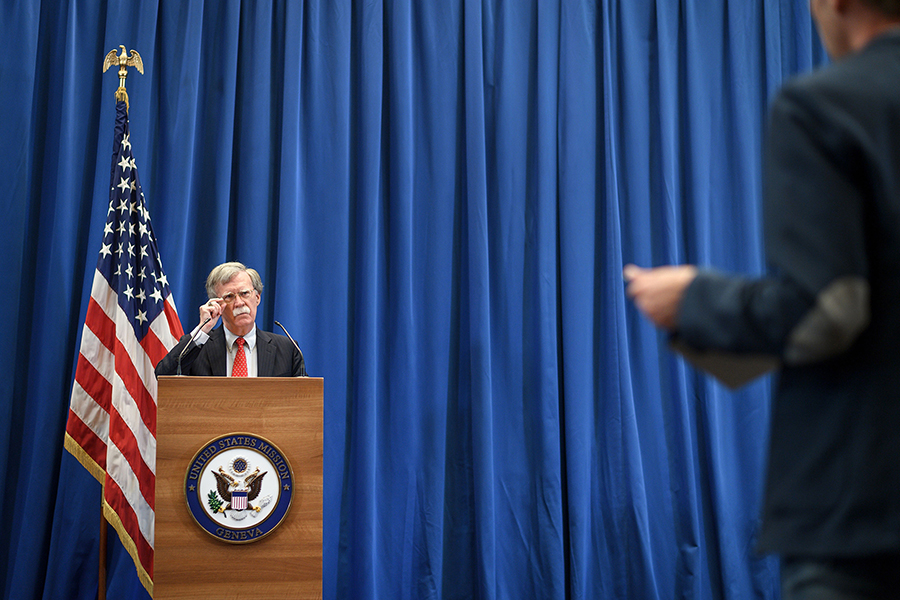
point(238, 487)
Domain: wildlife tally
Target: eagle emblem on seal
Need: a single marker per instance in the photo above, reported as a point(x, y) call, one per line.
point(235, 493)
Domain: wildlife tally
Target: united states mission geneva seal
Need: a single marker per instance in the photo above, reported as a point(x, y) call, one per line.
point(238, 487)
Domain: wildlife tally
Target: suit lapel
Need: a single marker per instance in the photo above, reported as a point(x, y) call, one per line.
point(217, 356)
point(265, 359)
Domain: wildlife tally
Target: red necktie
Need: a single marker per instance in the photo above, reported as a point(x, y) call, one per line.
point(239, 369)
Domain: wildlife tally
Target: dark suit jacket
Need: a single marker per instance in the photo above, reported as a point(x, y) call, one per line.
point(277, 356)
point(832, 208)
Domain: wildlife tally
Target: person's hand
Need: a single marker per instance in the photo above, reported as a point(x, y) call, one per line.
point(658, 292)
point(212, 310)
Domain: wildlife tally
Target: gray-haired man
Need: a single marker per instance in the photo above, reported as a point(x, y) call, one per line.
point(238, 348)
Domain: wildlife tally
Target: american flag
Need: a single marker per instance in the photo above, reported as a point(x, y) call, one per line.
point(130, 324)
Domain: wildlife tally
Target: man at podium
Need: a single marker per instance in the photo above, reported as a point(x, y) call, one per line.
point(238, 348)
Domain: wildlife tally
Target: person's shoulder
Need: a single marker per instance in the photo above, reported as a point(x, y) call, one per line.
point(874, 70)
point(858, 89)
point(271, 337)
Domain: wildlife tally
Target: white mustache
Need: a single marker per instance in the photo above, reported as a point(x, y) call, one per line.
point(241, 310)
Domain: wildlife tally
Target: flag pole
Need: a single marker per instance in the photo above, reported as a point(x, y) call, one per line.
point(101, 586)
point(123, 61)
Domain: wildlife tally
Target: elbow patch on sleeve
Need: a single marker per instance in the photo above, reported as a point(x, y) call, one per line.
point(840, 314)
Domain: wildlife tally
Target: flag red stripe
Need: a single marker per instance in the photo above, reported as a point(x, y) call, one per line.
point(87, 439)
point(93, 383)
point(113, 495)
point(153, 347)
point(123, 438)
point(102, 326)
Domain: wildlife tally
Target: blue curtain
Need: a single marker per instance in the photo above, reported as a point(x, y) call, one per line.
point(440, 196)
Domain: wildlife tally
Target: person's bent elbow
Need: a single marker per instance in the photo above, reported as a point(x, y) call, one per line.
point(841, 313)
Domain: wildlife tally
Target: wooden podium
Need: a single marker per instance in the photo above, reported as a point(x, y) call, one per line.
point(190, 562)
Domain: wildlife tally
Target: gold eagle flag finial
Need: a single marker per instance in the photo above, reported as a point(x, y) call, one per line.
point(124, 61)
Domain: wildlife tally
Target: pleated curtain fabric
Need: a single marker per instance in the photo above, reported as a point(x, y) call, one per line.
point(440, 197)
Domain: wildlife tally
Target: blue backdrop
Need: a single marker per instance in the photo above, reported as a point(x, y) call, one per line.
point(440, 196)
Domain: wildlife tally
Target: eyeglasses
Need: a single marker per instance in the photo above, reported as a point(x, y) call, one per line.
point(230, 297)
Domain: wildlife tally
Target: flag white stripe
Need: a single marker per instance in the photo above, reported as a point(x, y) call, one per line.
point(90, 413)
point(160, 326)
